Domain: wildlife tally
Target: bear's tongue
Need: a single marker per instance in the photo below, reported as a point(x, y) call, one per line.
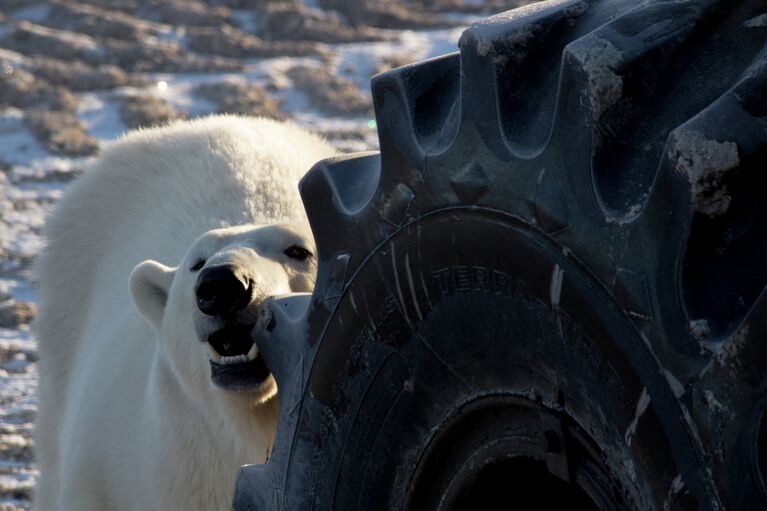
point(231, 341)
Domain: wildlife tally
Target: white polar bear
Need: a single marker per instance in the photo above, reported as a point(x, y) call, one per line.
point(160, 411)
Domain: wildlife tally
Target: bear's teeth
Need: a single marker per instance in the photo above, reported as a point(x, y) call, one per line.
point(215, 356)
point(253, 353)
point(234, 360)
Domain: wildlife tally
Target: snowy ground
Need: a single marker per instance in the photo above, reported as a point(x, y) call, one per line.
point(75, 74)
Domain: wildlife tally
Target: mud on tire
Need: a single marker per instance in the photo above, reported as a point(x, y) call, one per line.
point(549, 283)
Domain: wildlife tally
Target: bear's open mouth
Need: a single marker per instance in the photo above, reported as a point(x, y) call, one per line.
point(233, 342)
point(241, 365)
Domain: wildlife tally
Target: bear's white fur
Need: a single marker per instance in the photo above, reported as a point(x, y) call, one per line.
point(129, 417)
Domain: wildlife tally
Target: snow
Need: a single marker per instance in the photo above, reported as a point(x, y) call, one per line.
point(100, 116)
point(19, 146)
point(36, 12)
point(244, 19)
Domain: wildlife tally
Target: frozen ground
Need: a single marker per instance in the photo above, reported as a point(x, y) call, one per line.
point(76, 74)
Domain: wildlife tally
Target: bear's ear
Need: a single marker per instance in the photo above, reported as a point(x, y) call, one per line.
point(149, 285)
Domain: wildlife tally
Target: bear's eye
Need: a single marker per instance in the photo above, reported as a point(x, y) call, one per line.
point(199, 264)
point(296, 252)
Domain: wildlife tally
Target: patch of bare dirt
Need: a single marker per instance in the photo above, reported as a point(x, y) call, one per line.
point(252, 4)
point(50, 176)
point(391, 14)
point(230, 42)
point(16, 313)
point(145, 111)
point(146, 55)
point(13, 263)
point(235, 97)
point(393, 61)
point(284, 21)
point(331, 94)
point(172, 12)
point(78, 76)
point(18, 492)
point(37, 40)
point(160, 56)
point(61, 132)
point(7, 5)
point(484, 7)
point(98, 22)
point(21, 89)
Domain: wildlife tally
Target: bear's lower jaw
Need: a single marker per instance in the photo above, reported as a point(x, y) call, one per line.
point(240, 376)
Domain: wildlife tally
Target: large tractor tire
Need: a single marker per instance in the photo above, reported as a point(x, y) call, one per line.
point(548, 290)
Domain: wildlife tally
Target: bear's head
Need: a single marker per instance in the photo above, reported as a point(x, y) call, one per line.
point(204, 309)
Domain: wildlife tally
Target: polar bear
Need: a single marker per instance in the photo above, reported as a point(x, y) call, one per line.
point(152, 393)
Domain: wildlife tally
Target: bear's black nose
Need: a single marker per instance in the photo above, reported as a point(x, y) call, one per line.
point(219, 290)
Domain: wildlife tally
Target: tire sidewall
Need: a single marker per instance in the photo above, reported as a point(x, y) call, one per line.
point(456, 307)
